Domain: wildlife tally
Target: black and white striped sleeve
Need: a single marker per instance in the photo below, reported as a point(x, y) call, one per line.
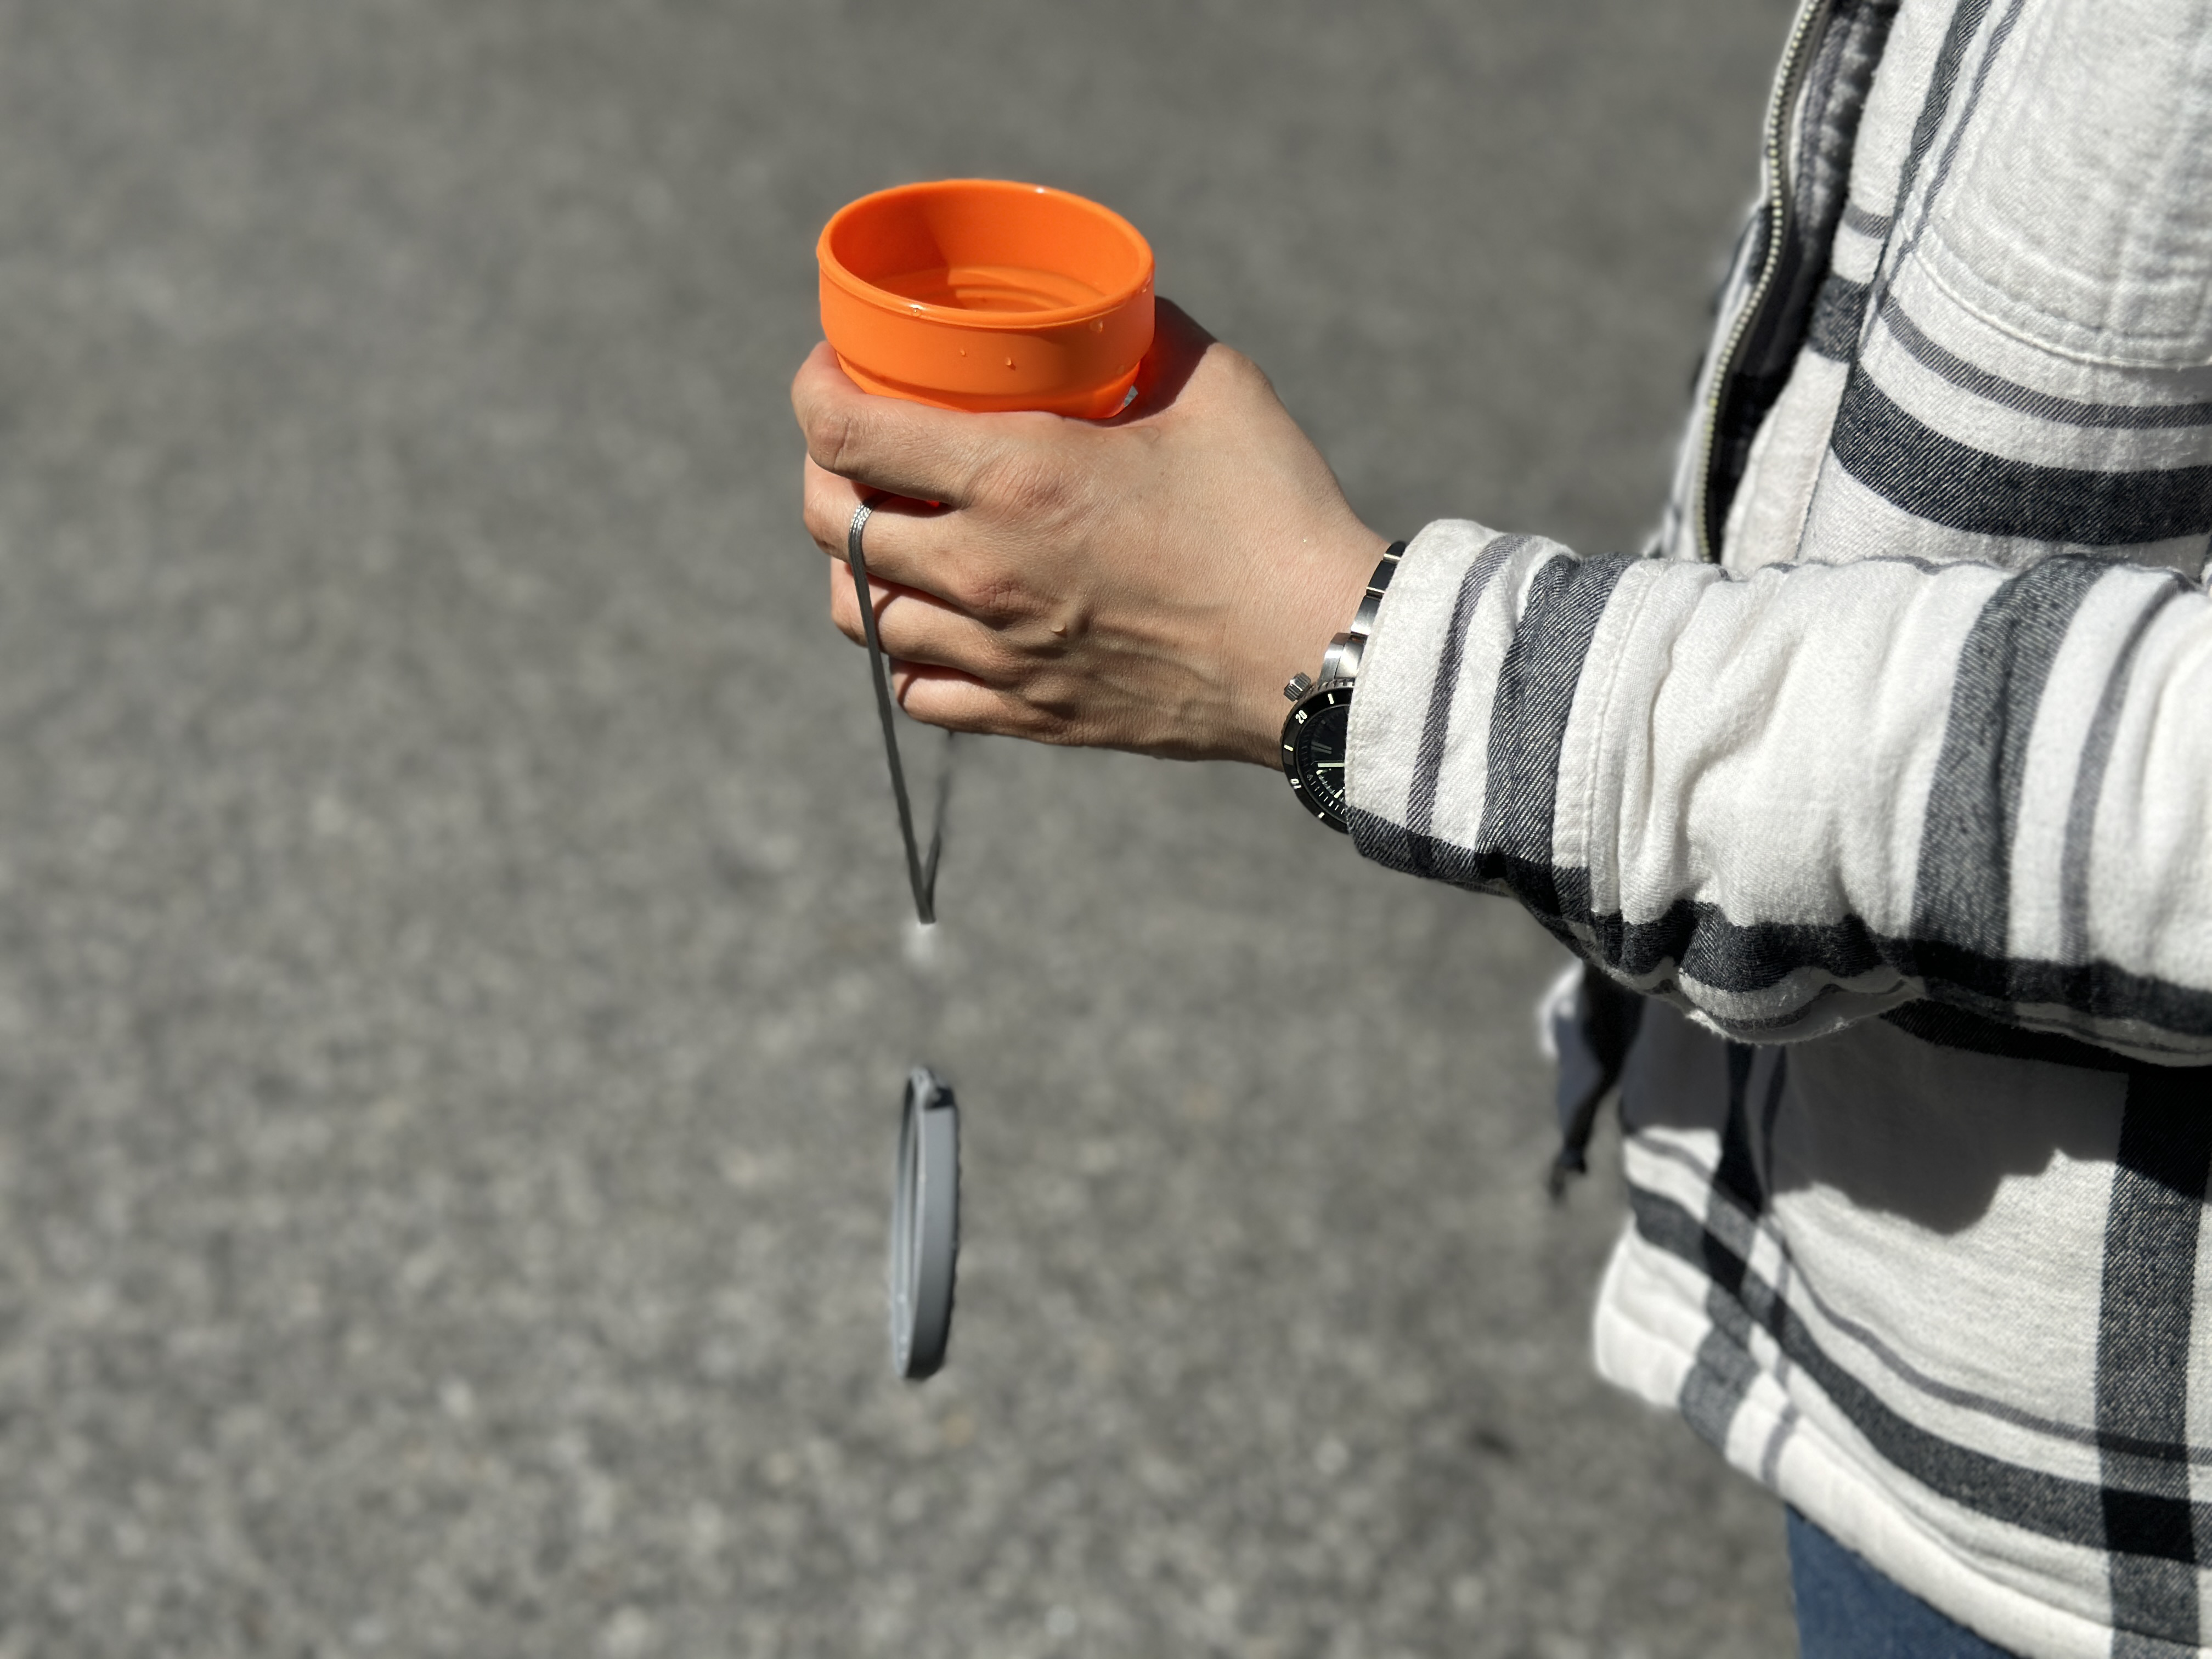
point(1793, 800)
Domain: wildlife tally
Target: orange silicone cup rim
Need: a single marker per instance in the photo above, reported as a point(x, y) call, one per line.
point(1101, 343)
point(860, 289)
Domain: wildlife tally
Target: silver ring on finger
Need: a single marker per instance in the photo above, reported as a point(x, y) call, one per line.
point(853, 531)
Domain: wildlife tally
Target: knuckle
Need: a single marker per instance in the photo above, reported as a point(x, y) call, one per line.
point(831, 435)
point(1248, 372)
point(1000, 667)
point(1016, 717)
point(994, 599)
point(1234, 376)
point(1031, 487)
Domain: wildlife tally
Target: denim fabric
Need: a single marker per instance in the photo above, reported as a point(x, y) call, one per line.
point(1847, 1610)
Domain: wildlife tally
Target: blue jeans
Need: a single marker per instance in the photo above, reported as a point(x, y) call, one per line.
point(1848, 1610)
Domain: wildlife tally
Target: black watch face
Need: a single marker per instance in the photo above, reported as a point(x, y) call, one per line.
point(1313, 753)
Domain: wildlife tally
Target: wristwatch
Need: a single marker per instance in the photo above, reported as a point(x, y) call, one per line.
point(1314, 736)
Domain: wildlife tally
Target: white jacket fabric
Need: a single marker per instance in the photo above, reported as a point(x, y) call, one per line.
point(1887, 773)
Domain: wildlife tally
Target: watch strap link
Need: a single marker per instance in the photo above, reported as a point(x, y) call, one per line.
point(1341, 660)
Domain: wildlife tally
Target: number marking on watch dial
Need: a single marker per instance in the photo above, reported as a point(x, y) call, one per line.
point(1313, 752)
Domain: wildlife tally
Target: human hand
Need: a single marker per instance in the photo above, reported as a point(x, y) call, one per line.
point(1145, 583)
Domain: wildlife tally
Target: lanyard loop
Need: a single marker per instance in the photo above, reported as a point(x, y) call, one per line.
point(921, 870)
point(926, 1180)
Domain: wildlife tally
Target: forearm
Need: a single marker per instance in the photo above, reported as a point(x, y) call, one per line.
point(1799, 799)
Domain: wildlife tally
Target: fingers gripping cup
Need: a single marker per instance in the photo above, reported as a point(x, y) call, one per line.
point(982, 294)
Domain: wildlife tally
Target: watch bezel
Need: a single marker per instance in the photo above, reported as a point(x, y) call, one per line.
point(1335, 694)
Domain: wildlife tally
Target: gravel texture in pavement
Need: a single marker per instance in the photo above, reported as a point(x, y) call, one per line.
point(453, 1008)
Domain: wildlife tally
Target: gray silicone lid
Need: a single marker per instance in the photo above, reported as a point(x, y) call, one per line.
point(925, 1226)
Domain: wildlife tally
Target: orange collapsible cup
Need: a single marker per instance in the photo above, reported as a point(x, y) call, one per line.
point(979, 294)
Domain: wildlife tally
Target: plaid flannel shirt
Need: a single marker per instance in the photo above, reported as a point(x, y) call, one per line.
point(1886, 776)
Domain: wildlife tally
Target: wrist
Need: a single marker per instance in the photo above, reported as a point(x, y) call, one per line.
point(1316, 595)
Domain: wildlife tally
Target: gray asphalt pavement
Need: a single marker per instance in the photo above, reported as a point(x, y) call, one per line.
point(451, 1008)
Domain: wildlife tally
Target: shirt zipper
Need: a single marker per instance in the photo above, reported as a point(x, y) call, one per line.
point(1808, 28)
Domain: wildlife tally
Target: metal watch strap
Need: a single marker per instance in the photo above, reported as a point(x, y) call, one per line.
point(1313, 732)
point(1341, 660)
